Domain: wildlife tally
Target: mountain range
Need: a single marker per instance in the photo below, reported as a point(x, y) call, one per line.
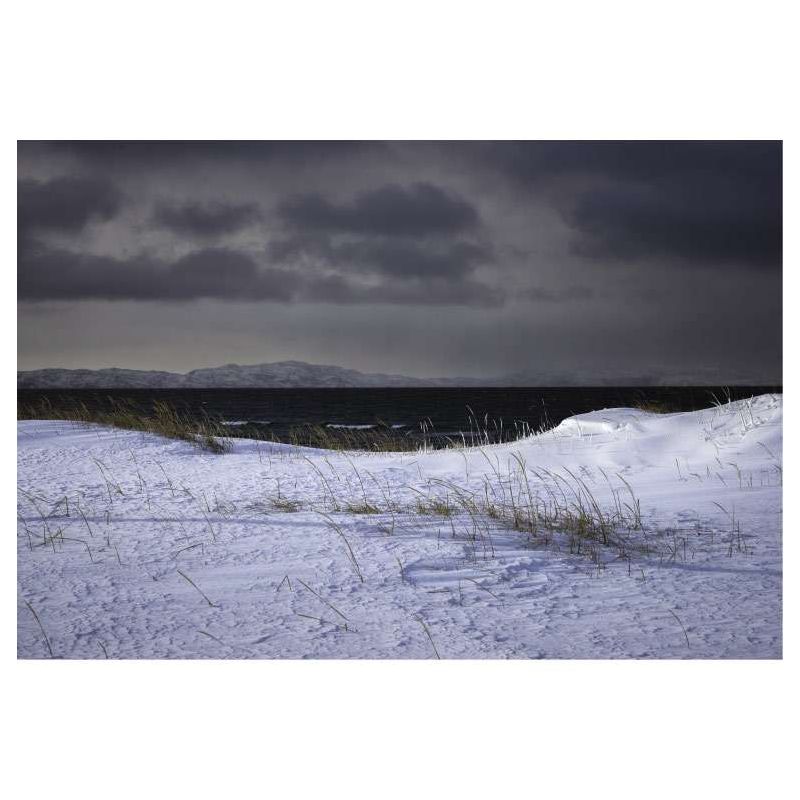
point(295, 374)
point(283, 374)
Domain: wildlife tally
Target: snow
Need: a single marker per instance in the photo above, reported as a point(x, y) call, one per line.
point(132, 546)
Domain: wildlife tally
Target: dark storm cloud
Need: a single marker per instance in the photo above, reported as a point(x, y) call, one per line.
point(535, 255)
point(226, 274)
point(47, 273)
point(697, 223)
point(408, 239)
point(65, 204)
point(163, 153)
point(55, 274)
point(383, 256)
point(756, 161)
point(701, 203)
point(205, 220)
point(391, 210)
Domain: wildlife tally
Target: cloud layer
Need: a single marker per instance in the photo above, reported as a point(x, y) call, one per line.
point(421, 209)
point(701, 204)
point(205, 220)
point(65, 204)
point(518, 251)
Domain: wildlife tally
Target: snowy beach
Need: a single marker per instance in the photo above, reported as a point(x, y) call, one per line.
point(618, 534)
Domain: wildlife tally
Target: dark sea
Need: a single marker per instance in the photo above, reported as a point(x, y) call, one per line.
point(502, 413)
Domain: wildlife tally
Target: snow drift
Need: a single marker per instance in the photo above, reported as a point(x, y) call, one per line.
point(131, 546)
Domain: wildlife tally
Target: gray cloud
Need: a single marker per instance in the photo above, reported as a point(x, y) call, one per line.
point(65, 204)
point(533, 255)
point(205, 220)
point(47, 273)
point(637, 160)
point(409, 239)
point(703, 223)
point(57, 274)
point(383, 256)
point(125, 155)
point(701, 203)
point(418, 210)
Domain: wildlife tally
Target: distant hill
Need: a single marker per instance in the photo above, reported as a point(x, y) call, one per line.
point(296, 374)
point(283, 374)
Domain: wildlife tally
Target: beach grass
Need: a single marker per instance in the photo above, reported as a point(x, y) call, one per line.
point(214, 435)
point(164, 420)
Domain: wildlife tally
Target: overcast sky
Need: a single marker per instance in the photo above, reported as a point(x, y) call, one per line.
point(622, 261)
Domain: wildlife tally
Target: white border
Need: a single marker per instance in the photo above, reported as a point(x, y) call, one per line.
point(411, 70)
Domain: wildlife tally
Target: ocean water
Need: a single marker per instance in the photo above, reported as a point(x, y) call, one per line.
point(504, 412)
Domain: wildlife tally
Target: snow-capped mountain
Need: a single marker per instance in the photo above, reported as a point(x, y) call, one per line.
point(295, 374)
point(283, 374)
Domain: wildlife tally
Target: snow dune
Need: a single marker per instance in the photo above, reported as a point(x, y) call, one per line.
point(131, 546)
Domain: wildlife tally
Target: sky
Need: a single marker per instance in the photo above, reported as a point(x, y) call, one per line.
point(583, 262)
